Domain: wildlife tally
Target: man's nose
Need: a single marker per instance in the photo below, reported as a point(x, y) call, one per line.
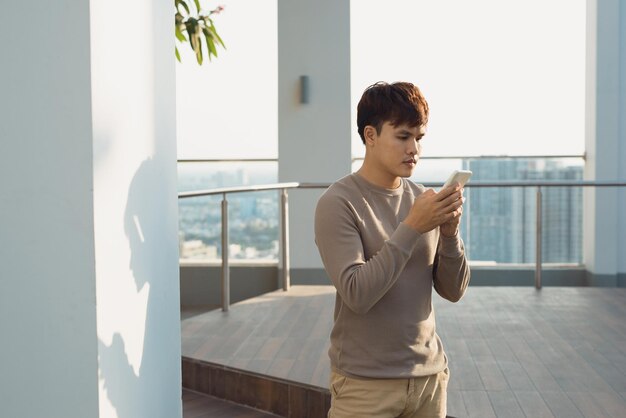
point(412, 149)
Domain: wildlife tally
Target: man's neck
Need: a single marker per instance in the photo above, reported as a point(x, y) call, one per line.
point(375, 176)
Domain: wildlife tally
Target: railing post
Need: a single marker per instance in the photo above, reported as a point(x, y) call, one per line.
point(284, 239)
point(466, 214)
point(538, 243)
point(225, 265)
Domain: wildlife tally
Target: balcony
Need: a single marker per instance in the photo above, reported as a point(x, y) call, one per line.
point(499, 229)
point(513, 351)
point(89, 255)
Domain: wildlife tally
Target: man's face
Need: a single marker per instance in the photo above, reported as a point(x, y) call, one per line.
point(396, 149)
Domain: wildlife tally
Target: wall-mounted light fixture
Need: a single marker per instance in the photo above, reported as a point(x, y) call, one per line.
point(304, 89)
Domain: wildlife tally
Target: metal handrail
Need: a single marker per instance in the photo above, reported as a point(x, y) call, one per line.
point(241, 189)
point(228, 160)
point(538, 183)
point(284, 239)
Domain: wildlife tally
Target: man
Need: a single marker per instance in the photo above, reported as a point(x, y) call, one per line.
point(385, 243)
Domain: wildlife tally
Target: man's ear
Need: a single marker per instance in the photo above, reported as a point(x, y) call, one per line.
point(370, 134)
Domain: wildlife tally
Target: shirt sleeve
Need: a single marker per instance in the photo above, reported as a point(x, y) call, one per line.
point(360, 283)
point(451, 273)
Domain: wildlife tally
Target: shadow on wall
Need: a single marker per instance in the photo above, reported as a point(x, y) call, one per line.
point(144, 394)
point(141, 378)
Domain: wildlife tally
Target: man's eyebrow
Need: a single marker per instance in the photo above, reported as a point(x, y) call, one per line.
point(407, 132)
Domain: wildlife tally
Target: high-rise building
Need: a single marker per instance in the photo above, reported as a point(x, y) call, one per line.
point(500, 223)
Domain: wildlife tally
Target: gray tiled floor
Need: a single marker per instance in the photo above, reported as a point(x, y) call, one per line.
point(514, 351)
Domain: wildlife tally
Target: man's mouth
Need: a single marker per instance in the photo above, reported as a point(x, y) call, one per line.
point(410, 161)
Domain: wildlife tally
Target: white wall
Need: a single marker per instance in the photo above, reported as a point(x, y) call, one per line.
point(604, 224)
point(136, 228)
point(48, 354)
point(313, 138)
point(88, 240)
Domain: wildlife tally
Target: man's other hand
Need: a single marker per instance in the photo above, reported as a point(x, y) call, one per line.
point(432, 209)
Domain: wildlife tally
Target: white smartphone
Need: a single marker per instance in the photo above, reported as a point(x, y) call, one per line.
point(460, 176)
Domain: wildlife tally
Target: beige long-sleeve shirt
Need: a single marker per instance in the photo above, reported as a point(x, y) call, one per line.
point(384, 272)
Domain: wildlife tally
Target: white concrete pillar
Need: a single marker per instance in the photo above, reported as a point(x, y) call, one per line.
point(605, 141)
point(88, 240)
point(135, 208)
point(314, 137)
point(48, 354)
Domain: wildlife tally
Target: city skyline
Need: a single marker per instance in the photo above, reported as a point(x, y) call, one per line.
point(498, 224)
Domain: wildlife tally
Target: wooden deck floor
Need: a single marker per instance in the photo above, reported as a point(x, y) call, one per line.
point(196, 405)
point(514, 351)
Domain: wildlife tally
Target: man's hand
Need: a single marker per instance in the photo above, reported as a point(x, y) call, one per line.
point(451, 228)
point(432, 209)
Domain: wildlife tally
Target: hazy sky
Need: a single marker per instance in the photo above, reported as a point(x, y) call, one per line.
point(501, 77)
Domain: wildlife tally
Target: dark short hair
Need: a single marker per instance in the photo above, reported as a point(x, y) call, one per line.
point(397, 103)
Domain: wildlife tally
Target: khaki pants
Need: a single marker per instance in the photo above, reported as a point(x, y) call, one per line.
point(418, 397)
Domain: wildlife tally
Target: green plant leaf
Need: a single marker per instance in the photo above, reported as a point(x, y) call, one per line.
point(182, 3)
point(209, 42)
point(179, 34)
point(211, 46)
point(213, 30)
point(199, 50)
point(194, 33)
point(192, 28)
